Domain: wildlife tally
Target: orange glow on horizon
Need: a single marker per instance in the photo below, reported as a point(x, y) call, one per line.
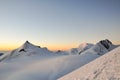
point(50, 47)
point(55, 48)
point(7, 48)
point(116, 42)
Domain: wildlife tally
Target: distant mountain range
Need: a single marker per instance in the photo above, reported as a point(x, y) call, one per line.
point(99, 48)
point(29, 49)
point(32, 62)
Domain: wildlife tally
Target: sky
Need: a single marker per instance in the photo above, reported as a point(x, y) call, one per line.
point(58, 24)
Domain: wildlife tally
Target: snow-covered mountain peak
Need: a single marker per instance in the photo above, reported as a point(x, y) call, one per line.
point(107, 44)
point(28, 45)
point(82, 45)
point(27, 49)
point(100, 48)
point(81, 48)
point(85, 46)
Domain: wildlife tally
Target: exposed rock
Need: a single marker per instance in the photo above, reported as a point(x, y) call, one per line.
point(1, 54)
point(22, 50)
point(106, 43)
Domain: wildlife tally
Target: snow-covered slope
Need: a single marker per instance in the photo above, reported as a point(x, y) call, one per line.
point(106, 67)
point(35, 68)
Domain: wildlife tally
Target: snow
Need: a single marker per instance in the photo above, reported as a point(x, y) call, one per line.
point(106, 67)
point(42, 69)
point(27, 49)
point(31, 62)
point(82, 47)
point(99, 48)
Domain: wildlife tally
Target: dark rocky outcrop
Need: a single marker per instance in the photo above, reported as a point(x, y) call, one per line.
point(38, 46)
point(106, 43)
point(1, 54)
point(58, 51)
point(22, 50)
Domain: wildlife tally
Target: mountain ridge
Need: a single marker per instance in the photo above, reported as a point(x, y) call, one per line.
point(29, 49)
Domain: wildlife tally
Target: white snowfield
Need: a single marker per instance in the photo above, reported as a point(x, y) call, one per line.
point(106, 67)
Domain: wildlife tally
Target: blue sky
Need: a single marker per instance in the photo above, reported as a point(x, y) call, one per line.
point(58, 23)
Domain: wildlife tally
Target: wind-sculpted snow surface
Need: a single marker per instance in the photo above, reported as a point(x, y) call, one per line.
point(107, 67)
